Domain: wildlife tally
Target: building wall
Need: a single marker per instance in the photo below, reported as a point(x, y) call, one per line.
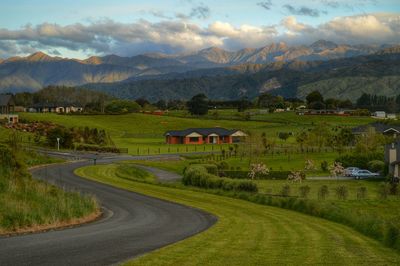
point(200, 140)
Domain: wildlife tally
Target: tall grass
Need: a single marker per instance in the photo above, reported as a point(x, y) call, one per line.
point(27, 204)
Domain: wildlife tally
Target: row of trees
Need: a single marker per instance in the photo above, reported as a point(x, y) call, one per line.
point(374, 102)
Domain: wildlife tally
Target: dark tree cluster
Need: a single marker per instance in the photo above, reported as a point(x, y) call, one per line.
point(374, 102)
point(316, 101)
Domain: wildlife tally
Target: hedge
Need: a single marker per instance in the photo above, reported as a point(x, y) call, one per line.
point(245, 175)
point(82, 147)
point(359, 160)
point(197, 175)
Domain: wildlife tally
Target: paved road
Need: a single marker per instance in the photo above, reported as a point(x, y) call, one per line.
point(133, 224)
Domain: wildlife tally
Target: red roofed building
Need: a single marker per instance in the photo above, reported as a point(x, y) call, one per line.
point(204, 136)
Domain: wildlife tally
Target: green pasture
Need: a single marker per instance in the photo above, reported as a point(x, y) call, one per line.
point(144, 134)
point(252, 234)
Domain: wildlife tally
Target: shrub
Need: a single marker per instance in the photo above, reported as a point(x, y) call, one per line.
point(323, 192)
point(211, 168)
point(324, 166)
point(304, 191)
point(85, 147)
point(376, 166)
point(281, 175)
point(361, 193)
point(197, 175)
point(342, 192)
point(285, 191)
point(384, 190)
point(359, 160)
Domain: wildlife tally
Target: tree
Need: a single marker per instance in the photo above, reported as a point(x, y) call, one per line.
point(345, 137)
point(122, 106)
point(198, 105)
point(161, 104)
point(314, 96)
point(65, 136)
point(317, 105)
point(302, 138)
point(258, 170)
point(142, 101)
point(244, 104)
point(283, 135)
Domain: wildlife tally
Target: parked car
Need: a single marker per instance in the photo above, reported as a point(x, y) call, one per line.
point(360, 174)
point(350, 170)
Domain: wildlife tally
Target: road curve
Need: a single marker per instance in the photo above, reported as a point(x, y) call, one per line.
point(133, 224)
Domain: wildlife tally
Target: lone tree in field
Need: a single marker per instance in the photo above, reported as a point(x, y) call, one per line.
point(283, 135)
point(198, 105)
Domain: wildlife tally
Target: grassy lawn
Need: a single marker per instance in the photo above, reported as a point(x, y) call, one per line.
point(143, 134)
point(252, 234)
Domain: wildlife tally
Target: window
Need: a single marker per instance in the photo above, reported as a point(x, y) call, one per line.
point(194, 139)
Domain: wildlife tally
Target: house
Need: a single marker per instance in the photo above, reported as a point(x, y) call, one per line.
point(391, 116)
point(379, 114)
point(379, 127)
point(215, 135)
point(7, 108)
point(54, 108)
point(7, 104)
point(392, 158)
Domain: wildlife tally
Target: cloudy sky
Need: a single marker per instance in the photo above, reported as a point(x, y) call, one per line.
point(83, 28)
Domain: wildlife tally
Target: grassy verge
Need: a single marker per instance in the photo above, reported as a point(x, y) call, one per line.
point(28, 205)
point(252, 234)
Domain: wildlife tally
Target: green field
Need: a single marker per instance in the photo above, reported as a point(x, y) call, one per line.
point(143, 131)
point(143, 134)
point(252, 234)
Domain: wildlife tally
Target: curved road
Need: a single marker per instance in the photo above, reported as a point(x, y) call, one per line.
point(133, 224)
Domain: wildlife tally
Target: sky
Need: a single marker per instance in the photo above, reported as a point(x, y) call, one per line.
point(84, 28)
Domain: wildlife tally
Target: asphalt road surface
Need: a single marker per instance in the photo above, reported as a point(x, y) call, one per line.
point(133, 224)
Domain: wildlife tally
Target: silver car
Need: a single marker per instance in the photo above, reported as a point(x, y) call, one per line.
point(349, 171)
point(361, 174)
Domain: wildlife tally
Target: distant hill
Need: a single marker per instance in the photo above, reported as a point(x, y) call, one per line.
point(344, 78)
point(38, 70)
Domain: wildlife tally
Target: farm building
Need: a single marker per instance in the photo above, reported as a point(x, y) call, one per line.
point(379, 114)
point(7, 107)
point(215, 135)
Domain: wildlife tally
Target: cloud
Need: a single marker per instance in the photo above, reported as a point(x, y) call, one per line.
point(266, 4)
point(359, 29)
point(303, 11)
point(174, 36)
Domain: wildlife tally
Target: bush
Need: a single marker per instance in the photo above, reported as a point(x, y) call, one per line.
point(304, 191)
point(359, 160)
point(285, 191)
point(361, 193)
point(211, 168)
point(342, 192)
point(323, 192)
point(376, 166)
point(122, 107)
point(324, 166)
point(197, 175)
point(281, 175)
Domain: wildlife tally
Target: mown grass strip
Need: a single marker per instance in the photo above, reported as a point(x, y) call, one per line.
point(251, 234)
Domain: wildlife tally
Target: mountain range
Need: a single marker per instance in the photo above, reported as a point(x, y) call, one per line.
point(210, 70)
